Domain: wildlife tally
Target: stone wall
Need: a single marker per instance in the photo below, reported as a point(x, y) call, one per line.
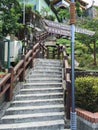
point(83, 73)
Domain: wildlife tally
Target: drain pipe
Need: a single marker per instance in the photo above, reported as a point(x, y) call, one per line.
point(72, 26)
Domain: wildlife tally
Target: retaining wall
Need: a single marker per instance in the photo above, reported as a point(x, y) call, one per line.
point(86, 120)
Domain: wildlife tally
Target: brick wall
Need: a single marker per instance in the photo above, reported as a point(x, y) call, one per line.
point(86, 120)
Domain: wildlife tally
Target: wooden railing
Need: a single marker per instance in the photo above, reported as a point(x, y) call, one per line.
point(59, 52)
point(55, 53)
point(18, 72)
point(66, 77)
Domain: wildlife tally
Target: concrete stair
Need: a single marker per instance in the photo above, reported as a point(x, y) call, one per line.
point(39, 104)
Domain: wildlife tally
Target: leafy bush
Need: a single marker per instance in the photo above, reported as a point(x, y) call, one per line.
point(81, 47)
point(85, 60)
point(63, 41)
point(86, 93)
point(50, 17)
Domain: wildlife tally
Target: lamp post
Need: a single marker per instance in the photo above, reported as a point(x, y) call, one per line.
point(72, 26)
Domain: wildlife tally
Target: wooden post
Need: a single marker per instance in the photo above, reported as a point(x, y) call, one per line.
point(47, 53)
point(10, 90)
point(58, 52)
point(53, 53)
point(22, 76)
point(31, 64)
point(43, 51)
point(68, 99)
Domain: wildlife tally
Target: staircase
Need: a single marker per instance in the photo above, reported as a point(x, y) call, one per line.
point(39, 103)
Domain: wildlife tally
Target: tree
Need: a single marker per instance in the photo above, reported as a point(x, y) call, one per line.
point(63, 13)
point(91, 24)
point(78, 9)
point(11, 11)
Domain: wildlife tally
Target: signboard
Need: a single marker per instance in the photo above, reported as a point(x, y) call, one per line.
point(57, 31)
point(64, 29)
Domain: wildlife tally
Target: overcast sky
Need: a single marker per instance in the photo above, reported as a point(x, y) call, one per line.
point(90, 2)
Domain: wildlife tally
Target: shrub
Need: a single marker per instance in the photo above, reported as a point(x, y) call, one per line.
point(85, 60)
point(86, 93)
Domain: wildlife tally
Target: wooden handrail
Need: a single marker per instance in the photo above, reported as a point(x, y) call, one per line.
point(28, 54)
point(36, 46)
point(18, 71)
point(19, 64)
point(5, 79)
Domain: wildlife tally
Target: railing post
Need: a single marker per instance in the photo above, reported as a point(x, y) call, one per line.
point(22, 76)
point(10, 90)
point(58, 52)
point(68, 99)
point(43, 51)
point(31, 64)
point(47, 53)
point(53, 53)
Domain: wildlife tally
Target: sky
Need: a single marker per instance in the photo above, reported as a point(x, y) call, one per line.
point(90, 2)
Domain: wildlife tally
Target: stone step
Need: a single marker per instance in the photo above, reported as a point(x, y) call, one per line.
point(48, 64)
point(44, 79)
point(32, 117)
point(36, 75)
point(43, 84)
point(41, 90)
point(42, 125)
point(37, 102)
point(42, 72)
point(46, 71)
point(39, 96)
point(48, 67)
point(34, 86)
point(48, 61)
point(34, 109)
point(34, 80)
point(45, 60)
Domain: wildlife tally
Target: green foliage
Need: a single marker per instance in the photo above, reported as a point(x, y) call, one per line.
point(46, 15)
point(82, 56)
point(11, 12)
point(81, 47)
point(96, 7)
point(63, 41)
point(28, 7)
point(78, 10)
point(45, 11)
point(89, 41)
point(86, 93)
point(85, 60)
point(0, 29)
point(63, 13)
point(50, 17)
